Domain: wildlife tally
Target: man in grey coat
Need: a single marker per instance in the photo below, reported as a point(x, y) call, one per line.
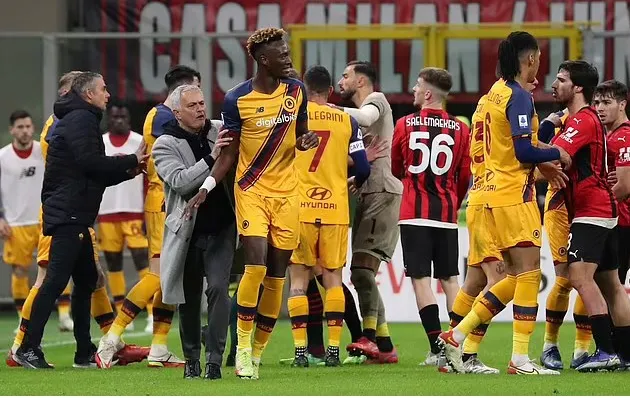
point(203, 244)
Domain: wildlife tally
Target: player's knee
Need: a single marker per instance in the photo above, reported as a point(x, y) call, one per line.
point(362, 278)
point(20, 272)
point(114, 261)
point(364, 260)
point(217, 287)
point(140, 258)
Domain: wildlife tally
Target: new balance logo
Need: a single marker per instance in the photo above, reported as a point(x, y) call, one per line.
point(28, 172)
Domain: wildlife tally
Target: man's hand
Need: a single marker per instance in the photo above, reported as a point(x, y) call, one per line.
point(141, 155)
point(222, 141)
point(352, 186)
point(555, 118)
point(552, 172)
point(5, 229)
point(307, 141)
point(565, 158)
point(376, 149)
point(195, 202)
point(612, 177)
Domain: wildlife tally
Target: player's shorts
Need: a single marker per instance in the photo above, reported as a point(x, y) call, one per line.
point(19, 248)
point(277, 219)
point(322, 244)
point(114, 235)
point(593, 244)
point(557, 227)
point(623, 252)
point(423, 245)
point(482, 246)
point(43, 248)
point(514, 226)
point(155, 231)
point(375, 228)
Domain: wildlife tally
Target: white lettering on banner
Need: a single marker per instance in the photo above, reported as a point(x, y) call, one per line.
point(332, 54)
point(154, 18)
point(193, 21)
point(556, 46)
point(364, 17)
point(391, 81)
point(422, 14)
point(233, 70)
point(463, 55)
point(622, 23)
point(399, 298)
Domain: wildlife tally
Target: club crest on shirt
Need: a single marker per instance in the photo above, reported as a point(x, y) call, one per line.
point(289, 104)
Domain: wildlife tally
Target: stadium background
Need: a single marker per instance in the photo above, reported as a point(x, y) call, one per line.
point(134, 42)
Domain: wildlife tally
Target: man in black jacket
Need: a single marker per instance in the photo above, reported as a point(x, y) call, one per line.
point(77, 173)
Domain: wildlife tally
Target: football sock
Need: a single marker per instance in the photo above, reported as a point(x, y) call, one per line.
point(430, 317)
point(26, 315)
point(162, 319)
point(621, 334)
point(365, 283)
point(268, 310)
point(118, 287)
point(351, 315)
point(20, 290)
point(383, 339)
point(141, 274)
point(334, 307)
point(247, 298)
point(602, 332)
point(233, 319)
point(314, 327)
point(525, 310)
point(556, 309)
point(298, 313)
point(102, 310)
point(474, 339)
point(63, 302)
point(583, 332)
point(136, 300)
point(461, 307)
point(490, 304)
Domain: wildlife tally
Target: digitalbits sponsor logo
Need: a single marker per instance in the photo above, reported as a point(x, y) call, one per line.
point(272, 121)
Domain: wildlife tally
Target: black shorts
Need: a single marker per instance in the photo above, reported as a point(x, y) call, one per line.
point(593, 244)
point(623, 252)
point(422, 246)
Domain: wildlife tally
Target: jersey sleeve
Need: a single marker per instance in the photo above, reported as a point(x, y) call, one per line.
point(397, 145)
point(575, 135)
point(302, 112)
point(519, 112)
point(160, 119)
point(356, 139)
point(623, 157)
point(230, 114)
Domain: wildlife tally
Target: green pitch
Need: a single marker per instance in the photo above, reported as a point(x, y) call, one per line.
point(405, 378)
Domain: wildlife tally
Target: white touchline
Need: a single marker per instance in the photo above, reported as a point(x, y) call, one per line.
point(69, 342)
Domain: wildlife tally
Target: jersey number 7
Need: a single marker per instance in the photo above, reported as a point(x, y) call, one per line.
point(324, 136)
point(429, 157)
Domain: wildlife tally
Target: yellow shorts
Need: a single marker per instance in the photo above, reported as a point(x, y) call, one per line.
point(155, 231)
point(19, 248)
point(114, 235)
point(324, 245)
point(277, 219)
point(557, 227)
point(482, 246)
point(514, 226)
point(43, 248)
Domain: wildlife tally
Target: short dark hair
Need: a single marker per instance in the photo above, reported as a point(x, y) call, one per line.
point(19, 114)
point(365, 68)
point(613, 89)
point(317, 79)
point(118, 103)
point(582, 74)
point(84, 81)
point(510, 51)
point(262, 37)
point(180, 74)
point(437, 77)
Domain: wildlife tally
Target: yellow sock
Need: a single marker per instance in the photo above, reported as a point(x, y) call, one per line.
point(118, 287)
point(461, 307)
point(525, 310)
point(136, 300)
point(246, 299)
point(141, 274)
point(102, 310)
point(556, 309)
point(583, 332)
point(369, 322)
point(63, 302)
point(20, 290)
point(26, 316)
point(473, 340)
point(298, 312)
point(334, 307)
point(162, 319)
point(268, 311)
point(490, 304)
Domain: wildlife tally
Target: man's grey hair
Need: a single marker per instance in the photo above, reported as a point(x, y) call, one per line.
point(175, 98)
point(85, 81)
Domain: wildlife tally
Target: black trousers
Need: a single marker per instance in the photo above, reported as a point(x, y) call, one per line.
point(71, 255)
point(212, 256)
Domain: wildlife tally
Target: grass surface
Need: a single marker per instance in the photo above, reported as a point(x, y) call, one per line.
point(405, 378)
